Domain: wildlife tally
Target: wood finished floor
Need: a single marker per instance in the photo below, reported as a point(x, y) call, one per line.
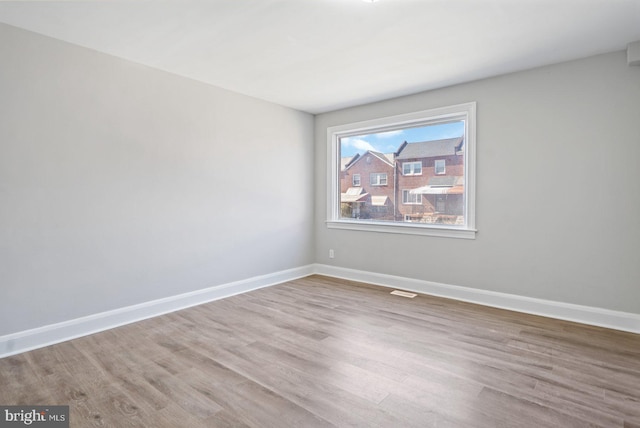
point(321, 352)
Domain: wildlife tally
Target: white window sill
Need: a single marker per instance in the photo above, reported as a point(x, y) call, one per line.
point(404, 228)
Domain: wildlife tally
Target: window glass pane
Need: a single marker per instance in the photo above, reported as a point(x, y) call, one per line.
point(399, 155)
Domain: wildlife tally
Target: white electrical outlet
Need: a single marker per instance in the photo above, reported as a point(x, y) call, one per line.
point(331, 254)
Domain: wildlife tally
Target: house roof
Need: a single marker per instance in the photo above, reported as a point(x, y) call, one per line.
point(383, 157)
point(430, 149)
point(345, 161)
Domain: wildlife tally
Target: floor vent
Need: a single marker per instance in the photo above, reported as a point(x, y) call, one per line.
point(404, 294)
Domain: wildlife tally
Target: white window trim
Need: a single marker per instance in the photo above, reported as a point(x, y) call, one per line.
point(353, 180)
point(413, 170)
point(378, 181)
point(410, 203)
point(465, 111)
point(444, 167)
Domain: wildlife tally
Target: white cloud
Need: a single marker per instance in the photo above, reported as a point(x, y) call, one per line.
point(389, 134)
point(357, 143)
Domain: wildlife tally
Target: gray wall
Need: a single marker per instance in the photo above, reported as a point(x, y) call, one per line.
point(558, 188)
point(121, 184)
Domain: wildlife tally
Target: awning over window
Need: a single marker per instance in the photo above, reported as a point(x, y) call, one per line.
point(379, 201)
point(446, 185)
point(438, 190)
point(354, 194)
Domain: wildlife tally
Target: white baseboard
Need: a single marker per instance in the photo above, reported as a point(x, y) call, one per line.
point(28, 340)
point(624, 321)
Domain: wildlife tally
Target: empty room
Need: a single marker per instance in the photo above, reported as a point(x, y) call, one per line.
point(320, 213)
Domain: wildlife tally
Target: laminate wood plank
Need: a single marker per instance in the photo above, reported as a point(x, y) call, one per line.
point(457, 405)
point(625, 404)
point(175, 416)
point(354, 353)
point(189, 360)
point(518, 412)
point(260, 406)
point(308, 390)
point(222, 419)
point(413, 413)
point(573, 402)
point(180, 390)
point(323, 352)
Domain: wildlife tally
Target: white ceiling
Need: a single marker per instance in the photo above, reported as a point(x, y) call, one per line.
point(321, 55)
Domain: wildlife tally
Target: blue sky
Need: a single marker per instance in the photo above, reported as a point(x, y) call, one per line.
point(388, 142)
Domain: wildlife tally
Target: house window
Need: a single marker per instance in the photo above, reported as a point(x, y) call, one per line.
point(378, 178)
point(403, 144)
point(356, 180)
point(412, 168)
point(409, 198)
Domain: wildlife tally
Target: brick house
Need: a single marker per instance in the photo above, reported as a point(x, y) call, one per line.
point(367, 186)
point(421, 182)
point(430, 181)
